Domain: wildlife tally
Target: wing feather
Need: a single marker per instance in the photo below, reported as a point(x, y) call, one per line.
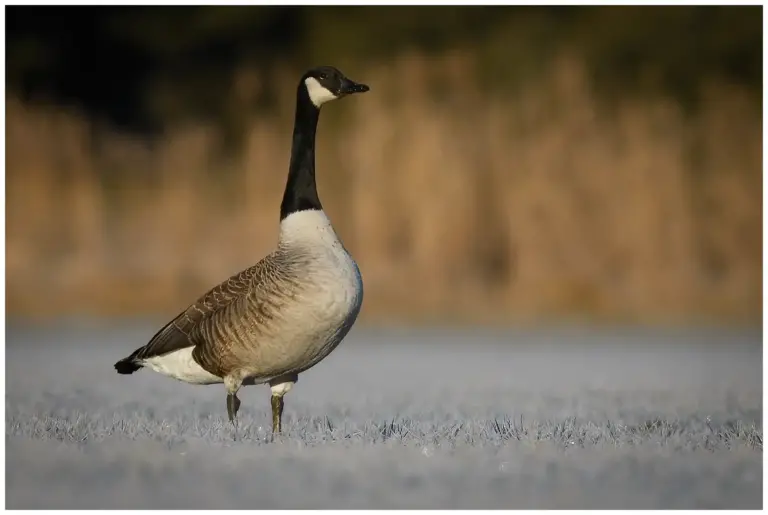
point(176, 334)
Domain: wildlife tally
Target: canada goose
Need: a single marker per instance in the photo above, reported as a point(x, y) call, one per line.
point(283, 315)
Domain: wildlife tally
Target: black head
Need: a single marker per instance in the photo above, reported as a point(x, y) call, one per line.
point(326, 83)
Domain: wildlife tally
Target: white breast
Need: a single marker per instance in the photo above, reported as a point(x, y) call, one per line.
point(330, 266)
point(337, 284)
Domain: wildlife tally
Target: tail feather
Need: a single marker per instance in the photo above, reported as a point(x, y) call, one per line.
point(127, 366)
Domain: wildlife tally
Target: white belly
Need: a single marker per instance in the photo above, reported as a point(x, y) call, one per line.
point(180, 365)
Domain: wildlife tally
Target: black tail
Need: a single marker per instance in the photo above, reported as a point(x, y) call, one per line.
point(127, 366)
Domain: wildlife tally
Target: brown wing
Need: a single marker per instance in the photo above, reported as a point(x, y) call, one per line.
point(175, 334)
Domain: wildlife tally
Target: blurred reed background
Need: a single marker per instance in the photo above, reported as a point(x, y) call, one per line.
point(509, 164)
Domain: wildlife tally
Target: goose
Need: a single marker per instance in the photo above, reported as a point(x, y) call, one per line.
point(281, 316)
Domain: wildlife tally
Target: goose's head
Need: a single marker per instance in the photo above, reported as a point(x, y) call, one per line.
point(326, 83)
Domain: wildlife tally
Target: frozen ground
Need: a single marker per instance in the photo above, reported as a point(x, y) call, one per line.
point(396, 419)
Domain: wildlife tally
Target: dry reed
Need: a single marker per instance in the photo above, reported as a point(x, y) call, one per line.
point(467, 207)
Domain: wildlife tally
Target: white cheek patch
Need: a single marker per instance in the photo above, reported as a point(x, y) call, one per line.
point(317, 93)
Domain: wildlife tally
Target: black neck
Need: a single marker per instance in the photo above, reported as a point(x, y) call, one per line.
point(301, 190)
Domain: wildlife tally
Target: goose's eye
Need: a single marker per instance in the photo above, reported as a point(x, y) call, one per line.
point(323, 75)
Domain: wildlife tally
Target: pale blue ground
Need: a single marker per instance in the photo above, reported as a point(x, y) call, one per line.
point(445, 418)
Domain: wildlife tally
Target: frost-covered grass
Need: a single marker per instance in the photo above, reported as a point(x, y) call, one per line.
point(445, 433)
point(422, 419)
